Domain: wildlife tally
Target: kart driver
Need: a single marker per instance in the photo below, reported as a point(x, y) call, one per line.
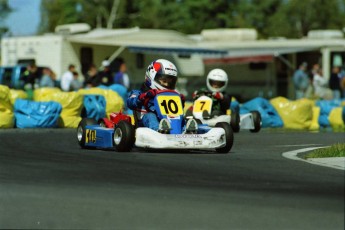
point(160, 75)
point(216, 82)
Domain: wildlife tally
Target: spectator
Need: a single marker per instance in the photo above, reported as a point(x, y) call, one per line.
point(301, 80)
point(92, 79)
point(334, 82)
point(321, 86)
point(76, 84)
point(342, 86)
point(31, 77)
point(105, 75)
point(121, 76)
point(67, 78)
point(48, 78)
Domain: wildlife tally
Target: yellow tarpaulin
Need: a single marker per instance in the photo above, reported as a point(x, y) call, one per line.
point(315, 120)
point(6, 108)
point(335, 118)
point(295, 114)
point(17, 93)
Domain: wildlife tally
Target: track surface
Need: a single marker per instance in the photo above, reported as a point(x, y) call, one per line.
point(47, 181)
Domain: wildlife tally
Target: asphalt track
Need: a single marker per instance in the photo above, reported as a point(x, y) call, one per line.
point(47, 181)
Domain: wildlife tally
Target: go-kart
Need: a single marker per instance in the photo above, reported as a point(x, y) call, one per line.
point(202, 110)
point(119, 133)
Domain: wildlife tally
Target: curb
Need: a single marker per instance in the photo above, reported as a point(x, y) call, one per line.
point(332, 162)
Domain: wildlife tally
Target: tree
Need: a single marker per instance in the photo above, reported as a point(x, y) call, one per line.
point(295, 18)
point(288, 18)
point(58, 12)
point(4, 12)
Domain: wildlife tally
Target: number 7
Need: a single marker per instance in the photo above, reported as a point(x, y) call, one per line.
point(202, 104)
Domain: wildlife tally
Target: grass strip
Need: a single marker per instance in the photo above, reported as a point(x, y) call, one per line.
point(336, 150)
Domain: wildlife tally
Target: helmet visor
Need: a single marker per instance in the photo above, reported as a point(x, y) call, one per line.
point(216, 84)
point(167, 81)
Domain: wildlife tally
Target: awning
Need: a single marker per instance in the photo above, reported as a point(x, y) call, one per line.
point(176, 50)
point(238, 56)
point(146, 41)
point(239, 60)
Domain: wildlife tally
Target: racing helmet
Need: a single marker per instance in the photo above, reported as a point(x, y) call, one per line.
point(217, 80)
point(161, 74)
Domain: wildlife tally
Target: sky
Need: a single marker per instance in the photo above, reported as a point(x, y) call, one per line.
point(25, 17)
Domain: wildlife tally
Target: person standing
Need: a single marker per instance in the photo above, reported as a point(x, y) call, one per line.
point(76, 84)
point(334, 82)
point(121, 76)
point(31, 77)
point(321, 86)
point(91, 78)
point(48, 78)
point(67, 78)
point(105, 75)
point(301, 80)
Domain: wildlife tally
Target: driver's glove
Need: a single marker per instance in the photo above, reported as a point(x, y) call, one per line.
point(149, 94)
point(218, 95)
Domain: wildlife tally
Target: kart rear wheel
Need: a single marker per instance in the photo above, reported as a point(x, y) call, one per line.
point(257, 121)
point(235, 121)
point(124, 136)
point(229, 137)
point(81, 131)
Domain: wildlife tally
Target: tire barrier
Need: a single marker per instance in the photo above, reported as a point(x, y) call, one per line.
point(32, 114)
point(325, 109)
point(295, 114)
point(278, 112)
point(120, 89)
point(114, 102)
point(6, 108)
point(94, 107)
point(71, 102)
point(17, 94)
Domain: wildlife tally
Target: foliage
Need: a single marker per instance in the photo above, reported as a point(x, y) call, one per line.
point(289, 18)
point(337, 150)
point(4, 12)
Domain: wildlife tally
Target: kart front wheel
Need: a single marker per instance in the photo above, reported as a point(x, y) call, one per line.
point(124, 136)
point(257, 121)
point(81, 131)
point(235, 121)
point(229, 137)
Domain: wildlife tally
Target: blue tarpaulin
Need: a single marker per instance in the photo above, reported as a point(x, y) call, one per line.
point(32, 114)
point(269, 116)
point(95, 106)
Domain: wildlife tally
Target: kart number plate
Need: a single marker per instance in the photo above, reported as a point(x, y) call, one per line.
point(170, 105)
point(201, 105)
point(90, 136)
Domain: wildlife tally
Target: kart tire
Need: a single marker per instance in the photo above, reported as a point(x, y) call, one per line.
point(257, 121)
point(124, 136)
point(229, 135)
point(235, 121)
point(81, 131)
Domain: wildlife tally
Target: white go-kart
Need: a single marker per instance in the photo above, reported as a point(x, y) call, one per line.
point(202, 108)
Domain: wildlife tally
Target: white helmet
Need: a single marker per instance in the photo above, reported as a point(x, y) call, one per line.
point(217, 80)
point(161, 74)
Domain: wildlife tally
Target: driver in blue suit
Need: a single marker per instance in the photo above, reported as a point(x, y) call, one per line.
point(160, 75)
